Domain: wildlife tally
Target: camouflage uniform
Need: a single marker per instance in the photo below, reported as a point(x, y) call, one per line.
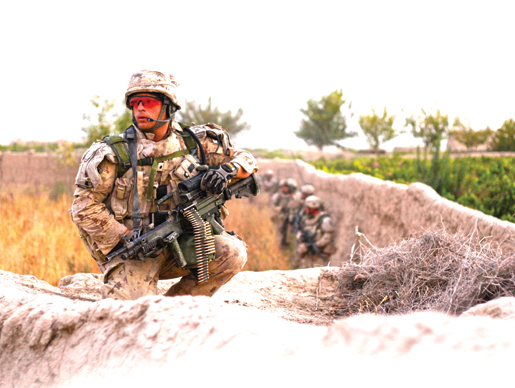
point(321, 228)
point(283, 207)
point(268, 182)
point(299, 197)
point(102, 211)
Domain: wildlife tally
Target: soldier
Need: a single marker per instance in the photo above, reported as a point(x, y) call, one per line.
point(110, 204)
point(315, 236)
point(306, 190)
point(283, 206)
point(269, 183)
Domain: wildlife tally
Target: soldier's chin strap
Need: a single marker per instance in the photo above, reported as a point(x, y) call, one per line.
point(167, 107)
point(130, 136)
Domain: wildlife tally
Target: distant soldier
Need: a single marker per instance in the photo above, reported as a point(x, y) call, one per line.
point(315, 238)
point(283, 206)
point(269, 183)
point(306, 190)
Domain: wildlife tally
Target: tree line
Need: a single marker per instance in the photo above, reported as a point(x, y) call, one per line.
point(325, 124)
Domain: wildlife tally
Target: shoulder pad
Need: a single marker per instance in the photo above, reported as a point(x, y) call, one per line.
point(121, 149)
point(88, 176)
point(212, 130)
point(326, 223)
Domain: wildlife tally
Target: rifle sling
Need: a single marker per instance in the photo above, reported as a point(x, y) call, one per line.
point(130, 136)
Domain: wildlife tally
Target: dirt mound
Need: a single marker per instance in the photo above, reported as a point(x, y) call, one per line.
point(66, 337)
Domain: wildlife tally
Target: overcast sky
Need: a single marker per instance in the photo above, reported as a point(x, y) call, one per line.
point(267, 57)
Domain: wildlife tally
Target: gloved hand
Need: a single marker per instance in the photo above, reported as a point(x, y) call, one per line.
point(215, 180)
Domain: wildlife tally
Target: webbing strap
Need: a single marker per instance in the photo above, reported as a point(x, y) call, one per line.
point(130, 135)
point(153, 170)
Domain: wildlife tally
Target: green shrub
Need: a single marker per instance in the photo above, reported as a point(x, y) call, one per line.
point(483, 183)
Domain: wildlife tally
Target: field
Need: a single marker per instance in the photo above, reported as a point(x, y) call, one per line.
point(40, 239)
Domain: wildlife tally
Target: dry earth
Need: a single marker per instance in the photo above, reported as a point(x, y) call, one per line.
point(247, 335)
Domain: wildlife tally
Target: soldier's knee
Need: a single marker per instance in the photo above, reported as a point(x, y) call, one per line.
point(231, 252)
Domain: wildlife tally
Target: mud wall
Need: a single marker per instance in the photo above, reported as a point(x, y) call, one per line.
point(385, 211)
point(36, 170)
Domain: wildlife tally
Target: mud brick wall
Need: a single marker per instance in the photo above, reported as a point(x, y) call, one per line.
point(35, 169)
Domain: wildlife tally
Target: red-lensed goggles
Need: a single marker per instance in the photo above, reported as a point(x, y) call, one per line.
point(148, 102)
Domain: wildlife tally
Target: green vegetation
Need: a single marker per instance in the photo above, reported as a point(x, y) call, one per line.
point(30, 146)
point(107, 122)
point(325, 124)
point(193, 112)
point(469, 137)
point(483, 183)
point(431, 127)
point(378, 129)
point(504, 138)
point(271, 154)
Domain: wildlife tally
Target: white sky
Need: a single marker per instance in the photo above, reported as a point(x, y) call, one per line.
point(267, 57)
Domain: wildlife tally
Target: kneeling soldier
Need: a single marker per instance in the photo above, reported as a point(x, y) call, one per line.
point(132, 184)
point(315, 236)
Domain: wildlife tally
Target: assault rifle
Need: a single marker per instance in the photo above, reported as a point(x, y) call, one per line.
point(309, 238)
point(189, 228)
point(296, 221)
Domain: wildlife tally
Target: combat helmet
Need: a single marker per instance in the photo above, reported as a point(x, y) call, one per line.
point(313, 202)
point(307, 189)
point(292, 184)
point(152, 81)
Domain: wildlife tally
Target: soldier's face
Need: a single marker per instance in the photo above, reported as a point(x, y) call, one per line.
point(311, 211)
point(145, 108)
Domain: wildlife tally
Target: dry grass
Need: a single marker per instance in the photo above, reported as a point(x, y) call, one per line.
point(435, 271)
point(40, 239)
point(253, 223)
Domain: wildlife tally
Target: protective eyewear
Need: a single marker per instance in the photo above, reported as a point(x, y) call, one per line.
point(148, 102)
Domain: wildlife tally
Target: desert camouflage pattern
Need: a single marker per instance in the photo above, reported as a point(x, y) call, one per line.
point(268, 183)
point(133, 279)
point(322, 227)
point(102, 207)
point(154, 82)
point(283, 206)
point(300, 196)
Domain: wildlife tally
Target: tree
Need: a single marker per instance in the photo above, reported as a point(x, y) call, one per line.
point(107, 121)
point(193, 112)
point(377, 129)
point(504, 137)
point(431, 127)
point(325, 124)
point(467, 136)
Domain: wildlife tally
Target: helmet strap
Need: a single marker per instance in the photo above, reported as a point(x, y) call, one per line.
point(167, 106)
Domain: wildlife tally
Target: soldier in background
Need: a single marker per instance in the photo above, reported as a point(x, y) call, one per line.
point(269, 183)
point(315, 238)
point(300, 196)
point(283, 207)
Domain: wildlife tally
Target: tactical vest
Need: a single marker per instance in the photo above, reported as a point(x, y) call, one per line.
point(189, 241)
point(316, 226)
point(121, 149)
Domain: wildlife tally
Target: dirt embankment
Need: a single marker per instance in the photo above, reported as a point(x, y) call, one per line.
point(65, 337)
